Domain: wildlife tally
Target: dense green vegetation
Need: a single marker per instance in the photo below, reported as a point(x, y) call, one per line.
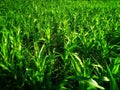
point(59, 44)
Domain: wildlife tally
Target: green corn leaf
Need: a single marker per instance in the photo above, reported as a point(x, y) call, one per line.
point(94, 84)
point(113, 83)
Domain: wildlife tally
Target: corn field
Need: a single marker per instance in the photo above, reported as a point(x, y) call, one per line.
point(59, 44)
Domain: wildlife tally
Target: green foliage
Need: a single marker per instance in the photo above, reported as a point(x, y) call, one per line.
point(59, 45)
